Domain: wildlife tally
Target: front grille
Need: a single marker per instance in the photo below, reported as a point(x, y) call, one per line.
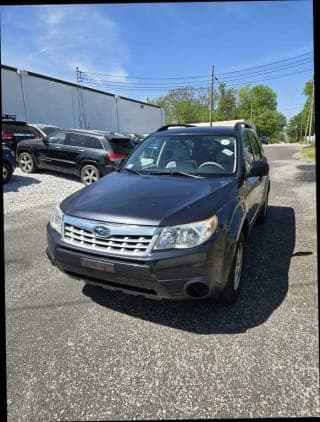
point(126, 240)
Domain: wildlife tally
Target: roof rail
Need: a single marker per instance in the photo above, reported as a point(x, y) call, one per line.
point(246, 125)
point(9, 116)
point(162, 128)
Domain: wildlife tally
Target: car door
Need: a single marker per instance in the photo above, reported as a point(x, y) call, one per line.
point(251, 184)
point(261, 183)
point(73, 148)
point(49, 151)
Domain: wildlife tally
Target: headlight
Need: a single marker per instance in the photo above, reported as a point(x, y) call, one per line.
point(56, 219)
point(186, 235)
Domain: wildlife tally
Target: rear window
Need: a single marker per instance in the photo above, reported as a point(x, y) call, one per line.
point(90, 142)
point(82, 140)
point(19, 130)
point(122, 145)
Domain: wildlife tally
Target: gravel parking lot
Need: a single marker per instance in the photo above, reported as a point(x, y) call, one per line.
point(82, 353)
point(26, 191)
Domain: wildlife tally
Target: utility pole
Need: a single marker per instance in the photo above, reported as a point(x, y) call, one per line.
point(311, 113)
point(300, 137)
point(80, 98)
point(310, 116)
point(307, 125)
point(211, 94)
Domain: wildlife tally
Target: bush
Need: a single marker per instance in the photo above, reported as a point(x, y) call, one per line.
point(309, 153)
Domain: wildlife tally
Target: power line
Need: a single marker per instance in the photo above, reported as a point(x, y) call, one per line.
point(142, 84)
point(163, 88)
point(201, 76)
point(164, 85)
point(268, 79)
point(273, 70)
point(267, 64)
point(138, 77)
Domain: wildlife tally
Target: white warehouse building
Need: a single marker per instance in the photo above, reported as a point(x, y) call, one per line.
point(37, 98)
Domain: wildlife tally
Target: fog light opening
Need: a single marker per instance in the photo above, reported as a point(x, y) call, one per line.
point(197, 290)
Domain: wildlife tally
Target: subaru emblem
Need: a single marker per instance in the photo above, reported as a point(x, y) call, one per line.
point(102, 231)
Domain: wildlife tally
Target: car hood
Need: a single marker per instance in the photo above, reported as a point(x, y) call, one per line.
point(150, 200)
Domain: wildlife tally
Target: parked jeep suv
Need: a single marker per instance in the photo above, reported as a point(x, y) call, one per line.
point(14, 131)
point(173, 221)
point(88, 154)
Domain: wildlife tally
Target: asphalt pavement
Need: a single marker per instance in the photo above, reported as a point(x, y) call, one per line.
point(83, 353)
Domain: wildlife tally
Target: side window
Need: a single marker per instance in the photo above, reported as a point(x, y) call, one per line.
point(247, 144)
point(256, 147)
point(76, 140)
point(247, 152)
point(57, 138)
point(90, 142)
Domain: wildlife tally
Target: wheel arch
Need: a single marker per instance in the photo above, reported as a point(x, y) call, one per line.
point(84, 162)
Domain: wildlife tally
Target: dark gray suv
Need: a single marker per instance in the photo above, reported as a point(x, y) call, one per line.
point(173, 221)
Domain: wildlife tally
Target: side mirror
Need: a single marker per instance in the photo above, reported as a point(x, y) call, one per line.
point(45, 141)
point(259, 168)
point(118, 163)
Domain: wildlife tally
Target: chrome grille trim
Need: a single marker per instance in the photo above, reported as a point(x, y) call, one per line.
point(125, 239)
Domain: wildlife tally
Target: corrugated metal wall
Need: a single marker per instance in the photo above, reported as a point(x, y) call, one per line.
point(40, 99)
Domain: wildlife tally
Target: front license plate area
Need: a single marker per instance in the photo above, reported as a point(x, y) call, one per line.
point(97, 265)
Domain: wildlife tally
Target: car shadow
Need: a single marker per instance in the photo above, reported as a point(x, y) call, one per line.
point(264, 288)
point(60, 175)
point(16, 182)
point(307, 173)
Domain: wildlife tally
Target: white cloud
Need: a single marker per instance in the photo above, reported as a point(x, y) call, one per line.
point(64, 37)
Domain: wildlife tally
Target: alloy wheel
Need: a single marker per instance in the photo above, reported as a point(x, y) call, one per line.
point(25, 162)
point(238, 266)
point(90, 175)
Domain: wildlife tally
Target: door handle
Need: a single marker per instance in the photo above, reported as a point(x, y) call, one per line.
point(57, 147)
point(80, 150)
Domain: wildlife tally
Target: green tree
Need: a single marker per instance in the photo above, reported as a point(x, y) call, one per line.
point(307, 91)
point(259, 104)
point(271, 123)
point(184, 105)
point(297, 126)
point(227, 104)
point(254, 101)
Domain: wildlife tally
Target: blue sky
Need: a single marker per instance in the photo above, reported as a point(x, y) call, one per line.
point(164, 40)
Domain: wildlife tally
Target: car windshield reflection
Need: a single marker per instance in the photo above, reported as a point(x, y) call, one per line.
point(199, 155)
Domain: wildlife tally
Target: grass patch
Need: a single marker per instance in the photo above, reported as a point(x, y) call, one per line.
point(309, 154)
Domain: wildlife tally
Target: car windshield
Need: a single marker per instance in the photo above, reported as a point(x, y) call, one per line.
point(203, 155)
point(49, 129)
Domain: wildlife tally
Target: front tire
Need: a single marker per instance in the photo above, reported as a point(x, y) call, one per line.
point(231, 292)
point(89, 174)
point(26, 162)
point(6, 173)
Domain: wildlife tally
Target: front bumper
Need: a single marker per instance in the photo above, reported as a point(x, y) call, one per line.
point(159, 275)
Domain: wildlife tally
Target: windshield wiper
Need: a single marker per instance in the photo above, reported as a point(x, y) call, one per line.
point(132, 171)
point(175, 173)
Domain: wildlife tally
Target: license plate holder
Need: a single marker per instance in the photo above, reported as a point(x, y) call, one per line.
point(97, 265)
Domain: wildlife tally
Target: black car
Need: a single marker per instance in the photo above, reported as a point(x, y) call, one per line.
point(43, 129)
point(89, 154)
point(173, 221)
point(8, 163)
point(14, 131)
